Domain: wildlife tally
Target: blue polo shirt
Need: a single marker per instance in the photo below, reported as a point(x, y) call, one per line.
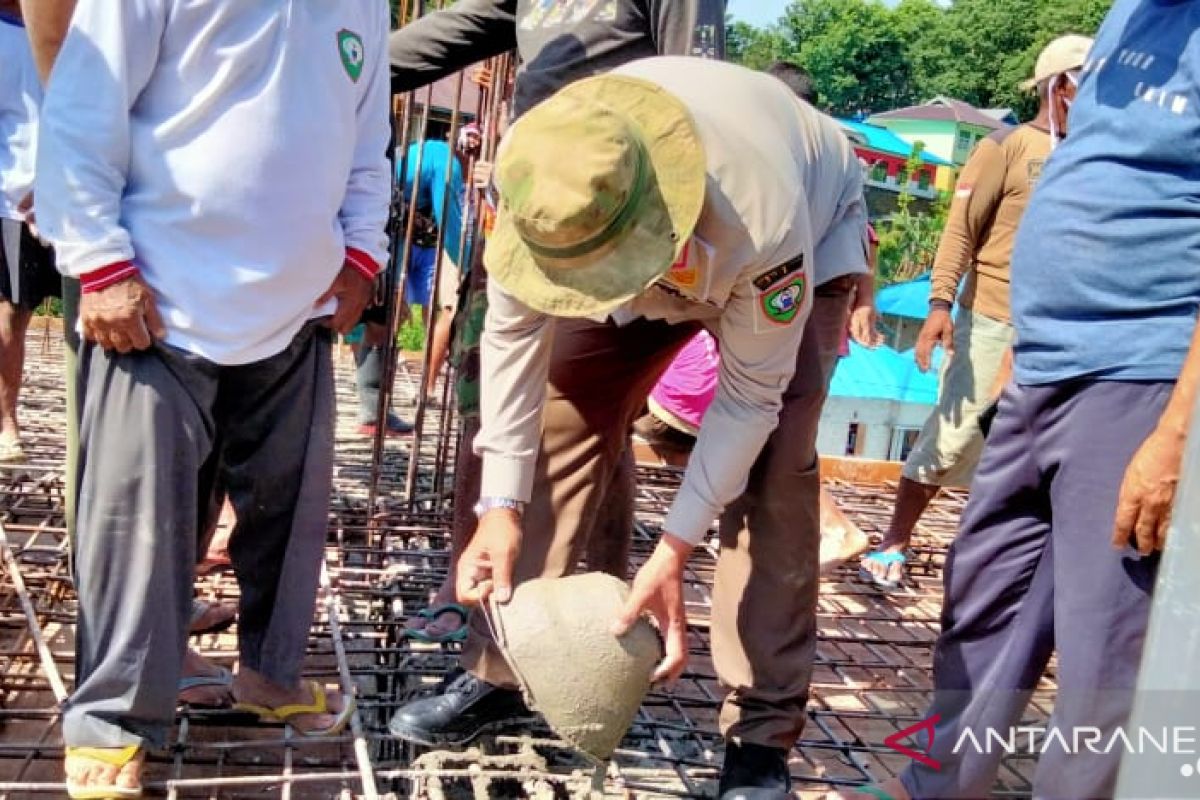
point(1106, 265)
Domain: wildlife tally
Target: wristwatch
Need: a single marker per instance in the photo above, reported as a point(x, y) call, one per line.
point(487, 504)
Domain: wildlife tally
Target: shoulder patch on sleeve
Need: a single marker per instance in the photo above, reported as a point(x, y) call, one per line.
point(781, 293)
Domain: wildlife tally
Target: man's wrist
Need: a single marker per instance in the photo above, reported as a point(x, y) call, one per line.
point(937, 302)
point(680, 549)
point(362, 263)
point(486, 505)
point(100, 279)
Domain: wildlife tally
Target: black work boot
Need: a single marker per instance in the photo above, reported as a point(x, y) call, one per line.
point(754, 772)
point(466, 708)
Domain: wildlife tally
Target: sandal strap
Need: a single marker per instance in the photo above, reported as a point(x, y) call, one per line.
point(319, 705)
point(874, 791)
point(112, 756)
point(887, 558)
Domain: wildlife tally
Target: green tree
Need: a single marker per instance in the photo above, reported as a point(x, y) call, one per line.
point(856, 56)
point(909, 240)
point(756, 48)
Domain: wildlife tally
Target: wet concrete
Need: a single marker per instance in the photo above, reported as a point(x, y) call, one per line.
point(586, 682)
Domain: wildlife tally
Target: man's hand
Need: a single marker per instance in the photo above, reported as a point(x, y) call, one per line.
point(864, 325)
point(486, 566)
point(353, 291)
point(1148, 492)
point(481, 174)
point(121, 317)
point(481, 77)
point(658, 589)
point(938, 329)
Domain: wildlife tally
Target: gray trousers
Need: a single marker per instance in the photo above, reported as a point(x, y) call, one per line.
point(161, 428)
point(1032, 572)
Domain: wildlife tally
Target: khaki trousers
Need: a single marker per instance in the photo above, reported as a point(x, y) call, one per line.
point(765, 594)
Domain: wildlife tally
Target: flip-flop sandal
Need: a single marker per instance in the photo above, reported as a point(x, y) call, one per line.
point(224, 679)
point(319, 705)
point(459, 634)
point(200, 608)
point(887, 561)
point(874, 791)
point(113, 757)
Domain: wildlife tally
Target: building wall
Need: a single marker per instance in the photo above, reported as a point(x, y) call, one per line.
point(878, 421)
point(965, 139)
point(938, 136)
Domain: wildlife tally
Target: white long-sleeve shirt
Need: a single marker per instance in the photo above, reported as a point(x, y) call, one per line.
point(233, 151)
point(20, 95)
point(763, 148)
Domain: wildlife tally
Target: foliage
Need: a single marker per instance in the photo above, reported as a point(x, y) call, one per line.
point(411, 338)
point(909, 239)
point(867, 57)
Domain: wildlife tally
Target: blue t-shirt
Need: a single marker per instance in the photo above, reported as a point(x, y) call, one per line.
point(432, 191)
point(1106, 265)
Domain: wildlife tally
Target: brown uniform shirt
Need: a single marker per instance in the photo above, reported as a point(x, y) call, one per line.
point(989, 201)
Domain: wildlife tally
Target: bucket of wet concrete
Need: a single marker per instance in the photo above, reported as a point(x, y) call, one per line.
point(587, 683)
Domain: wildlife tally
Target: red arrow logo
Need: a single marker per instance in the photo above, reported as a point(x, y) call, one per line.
point(894, 740)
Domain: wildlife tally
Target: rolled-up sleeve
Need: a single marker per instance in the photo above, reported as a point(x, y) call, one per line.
point(758, 357)
point(514, 364)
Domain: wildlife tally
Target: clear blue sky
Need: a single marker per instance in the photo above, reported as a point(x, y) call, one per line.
point(763, 12)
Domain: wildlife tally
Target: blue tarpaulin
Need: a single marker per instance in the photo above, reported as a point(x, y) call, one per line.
point(909, 299)
point(884, 374)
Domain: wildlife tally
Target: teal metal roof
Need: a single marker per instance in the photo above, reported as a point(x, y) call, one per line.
point(881, 373)
point(884, 141)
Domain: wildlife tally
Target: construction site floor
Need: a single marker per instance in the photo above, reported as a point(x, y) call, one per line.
point(871, 677)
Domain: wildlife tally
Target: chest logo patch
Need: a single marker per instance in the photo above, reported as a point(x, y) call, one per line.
point(350, 48)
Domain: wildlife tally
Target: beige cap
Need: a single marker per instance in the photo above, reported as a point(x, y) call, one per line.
point(1062, 55)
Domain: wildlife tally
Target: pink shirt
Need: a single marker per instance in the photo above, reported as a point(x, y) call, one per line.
point(687, 388)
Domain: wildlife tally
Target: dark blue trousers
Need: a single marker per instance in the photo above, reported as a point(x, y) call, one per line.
point(1032, 572)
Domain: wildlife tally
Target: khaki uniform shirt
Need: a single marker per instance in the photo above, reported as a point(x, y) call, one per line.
point(761, 144)
point(989, 201)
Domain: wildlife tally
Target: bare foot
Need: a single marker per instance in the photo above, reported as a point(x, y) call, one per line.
point(83, 772)
point(841, 539)
point(253, 688)
point(892, 788)
point(205, 695)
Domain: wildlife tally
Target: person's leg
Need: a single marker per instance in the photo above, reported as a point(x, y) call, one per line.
point(21, 289)
point(276, 418)
point(146, 431)
point(951, 441)
point(368, 376)
point(599, 376)
point(446, 300)
point(841, 539)
point(468, 468)
point(1102, 596)
point(765, 590)
point(14, 321)
point(612, 533)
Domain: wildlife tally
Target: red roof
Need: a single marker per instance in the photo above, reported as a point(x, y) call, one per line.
point(944, 109)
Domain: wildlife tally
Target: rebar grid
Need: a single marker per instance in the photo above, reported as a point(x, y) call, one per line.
point(871, 675)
